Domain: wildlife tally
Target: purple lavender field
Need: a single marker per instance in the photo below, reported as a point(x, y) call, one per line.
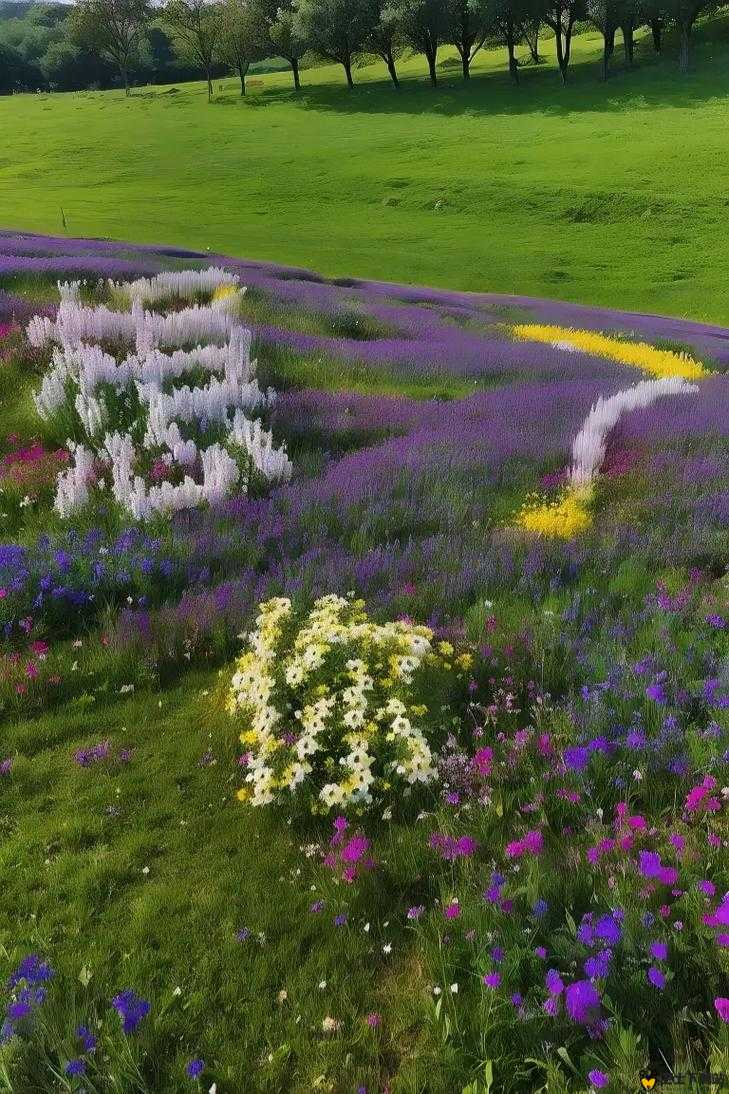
point(559, 521)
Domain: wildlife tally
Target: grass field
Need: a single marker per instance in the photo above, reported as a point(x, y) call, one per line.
point(612, 194)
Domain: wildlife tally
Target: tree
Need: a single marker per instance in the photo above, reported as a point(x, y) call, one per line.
point(424, 24)
point(197, 26)
point(561, 16)
point(386, 41)
point(684, 14)
point(337, 29)
point(242, 37)
point(279, 19)
point(113, 28)
point(608, 16)
point(468, 24)
point(528, 27)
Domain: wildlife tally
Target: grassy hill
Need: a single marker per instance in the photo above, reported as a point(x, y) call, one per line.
point(612, 195)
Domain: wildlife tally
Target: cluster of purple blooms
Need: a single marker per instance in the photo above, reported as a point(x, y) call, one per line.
point(27, 986)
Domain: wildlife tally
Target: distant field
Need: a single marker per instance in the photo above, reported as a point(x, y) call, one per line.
point(614, 195)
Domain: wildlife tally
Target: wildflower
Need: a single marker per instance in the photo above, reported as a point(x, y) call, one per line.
point(659, 950)
point(492, 979)
point(331, 1025)
point(416, 911)
point(583, 1002)
point(87, 1039)
point(540, 909)
point(598, 1079)
point(75, 1067)
point(195, 1068)
point(6, 766)
point(340, 920)
point(131, 1008)
point(656, 977)
point(374, 1020)
point(722, 1007)
point(554, 982)
point(454, 989)
point(452, 910)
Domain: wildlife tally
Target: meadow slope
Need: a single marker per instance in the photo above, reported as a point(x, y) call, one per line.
point(610, 194)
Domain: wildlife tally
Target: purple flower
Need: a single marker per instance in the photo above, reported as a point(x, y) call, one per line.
point(340, 920)
point(656, 977)
point(540, 909)
point(416, 911)
point(131, 1008)
point(608, 929)
point(554, 982)
point(75, 1067)
point(492, 979)
point(721, 1004)
point(598, 1079)
point(244, 933)
point(656, 692)
point(576, 758)
point(659, 950)
point(195, 1068)
point(86, 1038)
point(582, 1000)
point(6, 766)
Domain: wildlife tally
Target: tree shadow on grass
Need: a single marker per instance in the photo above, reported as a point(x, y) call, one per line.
point(652, 81)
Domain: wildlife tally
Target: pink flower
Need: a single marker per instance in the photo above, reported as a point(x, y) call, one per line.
point(532, 843)
point(722, 1007)
point(452, 910)
point(483, 761)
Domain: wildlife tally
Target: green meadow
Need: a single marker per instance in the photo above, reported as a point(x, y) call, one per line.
point(614, 194)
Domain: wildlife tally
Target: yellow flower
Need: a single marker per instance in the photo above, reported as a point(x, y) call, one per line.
point(243, 794)
point(249, 737)
point(445, 648)
point(658, 362)
point(563, 518)
point(465, 660)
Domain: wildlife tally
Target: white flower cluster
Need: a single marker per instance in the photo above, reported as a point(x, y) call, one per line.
point(202, 434)
point(178, 284)
point(330, 704)
point(589, 447)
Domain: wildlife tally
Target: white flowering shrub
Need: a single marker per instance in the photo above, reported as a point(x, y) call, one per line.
point(338, 711)
point(162, 410)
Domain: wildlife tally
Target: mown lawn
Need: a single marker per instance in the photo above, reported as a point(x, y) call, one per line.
point(612, 194)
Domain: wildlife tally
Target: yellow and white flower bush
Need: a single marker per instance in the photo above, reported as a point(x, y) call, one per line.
point(331, 704)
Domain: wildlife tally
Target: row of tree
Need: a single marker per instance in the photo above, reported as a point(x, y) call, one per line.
point(38, 51)
point(211, 36)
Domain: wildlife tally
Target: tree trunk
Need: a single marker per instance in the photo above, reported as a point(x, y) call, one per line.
point(561, 60)
point(534, 46)
point(466, 64)
point(513, 66)
point(348, 72)
point(390, 62)
point(608, 49)
point(656, 29)
point(125, 78)
point(684, 51)
point(628, 44)
point(243, 72)
point(210, 85)
point(294, 62)
point(432, 55)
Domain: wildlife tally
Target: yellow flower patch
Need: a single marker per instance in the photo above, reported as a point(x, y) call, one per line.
point(563, 518)
point(658, 362)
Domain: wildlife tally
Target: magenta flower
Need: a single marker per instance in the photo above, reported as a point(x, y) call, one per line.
point(722, 1007)
point(492, 979)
